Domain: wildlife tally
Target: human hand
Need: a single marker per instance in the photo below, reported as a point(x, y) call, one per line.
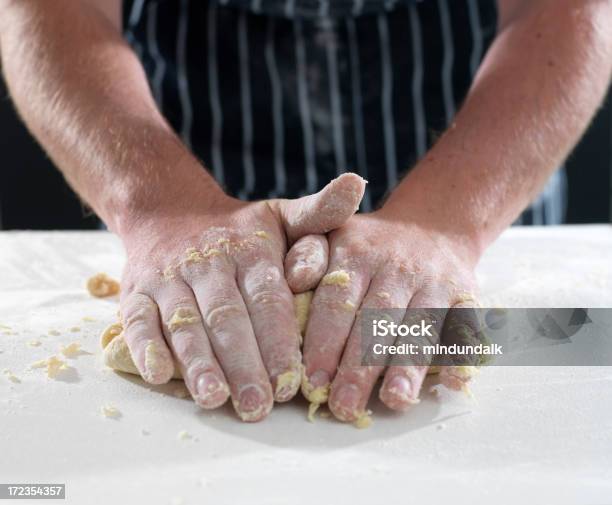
point(205, 282)
point(379, 262)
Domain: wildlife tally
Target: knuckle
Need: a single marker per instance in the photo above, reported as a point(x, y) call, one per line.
point(196, 365)
point(269, 297)
point(187, 348)
point(262, 276)
point(221, 311)
point(137, 310)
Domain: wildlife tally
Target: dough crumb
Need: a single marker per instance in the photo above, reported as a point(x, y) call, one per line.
point(154, 359)
point(312, 410)
point(262, 234)
point(102, 286)
point(11, 376)
point(192, 255)
point(384, 295)
point(88, 319)
point(54, 333)
point(184, 435)
point(55, 366)
point(75, 329)
point(71, 350)
point(364, 420)
point(338, 278)
point(287, 382)
point(315, 395)
point(168, 273)
point(34, 343)
point(210, 253)
point(182, 317)
point(110, 411)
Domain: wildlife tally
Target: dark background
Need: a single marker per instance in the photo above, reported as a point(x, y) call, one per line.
point(33, 194)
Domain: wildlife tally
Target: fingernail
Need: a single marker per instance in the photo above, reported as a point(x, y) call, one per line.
point(346, 402)
point(251, 403)
point(319, 379)
point(400, 386)
point(208, 387)
point(400, 393)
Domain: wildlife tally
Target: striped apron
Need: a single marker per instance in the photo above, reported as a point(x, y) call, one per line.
point(276, 97)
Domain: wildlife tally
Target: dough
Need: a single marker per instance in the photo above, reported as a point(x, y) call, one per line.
point(301, 303)
point(102, 286)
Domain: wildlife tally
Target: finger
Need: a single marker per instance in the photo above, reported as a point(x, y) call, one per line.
point(332, 314)
point(462, 327)
point(189, 342)
point(228, 325)
point(324, 211)
point(402, 384)
point(352, 387)
point(144, 337)
point(270, 305)
point(306, 263)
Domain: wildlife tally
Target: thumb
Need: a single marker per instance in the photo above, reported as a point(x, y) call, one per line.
point(324, 211)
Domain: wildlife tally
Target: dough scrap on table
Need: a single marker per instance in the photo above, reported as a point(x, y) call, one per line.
point(54, 365)
point(71, 350)
point(110, 412)
point(102, 286)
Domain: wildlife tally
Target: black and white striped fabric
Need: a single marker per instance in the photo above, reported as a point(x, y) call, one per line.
point(277, 97)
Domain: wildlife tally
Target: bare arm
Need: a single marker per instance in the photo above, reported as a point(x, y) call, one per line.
point(83, 93)
point(539, 86)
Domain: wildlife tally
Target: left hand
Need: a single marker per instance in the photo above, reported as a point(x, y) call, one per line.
point(390, 264)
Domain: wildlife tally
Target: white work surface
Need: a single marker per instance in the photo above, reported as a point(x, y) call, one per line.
point(538, 433)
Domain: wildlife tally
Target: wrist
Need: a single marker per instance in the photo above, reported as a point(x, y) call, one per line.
point(449, 230)
point(186, 188)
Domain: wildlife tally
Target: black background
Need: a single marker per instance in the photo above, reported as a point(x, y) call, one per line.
point(34, 195)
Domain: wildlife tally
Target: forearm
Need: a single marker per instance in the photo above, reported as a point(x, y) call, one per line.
point(84, 96)
point(533, 97)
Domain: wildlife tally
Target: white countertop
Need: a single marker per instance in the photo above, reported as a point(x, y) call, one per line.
point(532, 432)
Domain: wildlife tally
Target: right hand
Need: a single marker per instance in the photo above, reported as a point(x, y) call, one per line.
point(204, 283)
